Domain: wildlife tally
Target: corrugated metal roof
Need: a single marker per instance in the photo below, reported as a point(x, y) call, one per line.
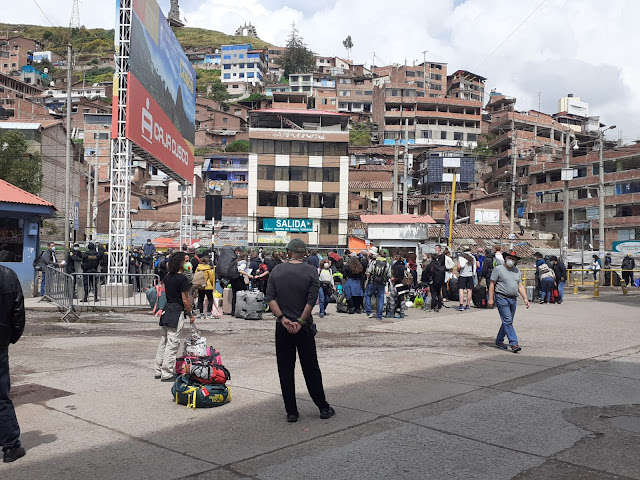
point(301, 111)
point(381, 219)
point(12, 194)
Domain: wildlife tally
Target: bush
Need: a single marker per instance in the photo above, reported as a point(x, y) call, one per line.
point(238, 146)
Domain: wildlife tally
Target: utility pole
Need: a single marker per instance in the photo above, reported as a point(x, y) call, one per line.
point(395, 178)
point(601, 194)
point(94, 215)
point(67, 173)
point(87, 230)
point(514, 180)
point(567, 173)
point(405, 177)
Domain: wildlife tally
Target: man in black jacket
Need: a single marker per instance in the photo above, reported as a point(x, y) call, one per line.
point(48, 258)
point(11, 328)
point(90, 263)
point(561, 277)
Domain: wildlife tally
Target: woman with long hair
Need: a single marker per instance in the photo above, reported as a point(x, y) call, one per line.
point(177, 308)
point(354, 272)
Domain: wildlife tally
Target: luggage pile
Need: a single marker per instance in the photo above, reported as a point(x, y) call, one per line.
point(202, 381)
point(249, 304)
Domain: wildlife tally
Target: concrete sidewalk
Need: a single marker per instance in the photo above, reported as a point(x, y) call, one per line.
point(422, 397)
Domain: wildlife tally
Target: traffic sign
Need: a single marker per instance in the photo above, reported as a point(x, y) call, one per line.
point(580, 226)
point(287, 225)
point(76, 216)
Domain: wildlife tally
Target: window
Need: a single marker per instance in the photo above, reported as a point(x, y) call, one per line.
point(241, 75)
point(314, 175)
point(262, 146)
point(241, 65)
point(241, 55)
point(316, 148)
point(443, 135)
point(345, 80)
point(335, 149)
point(624, 211)
point(299, 148)
point(329, 200)
point(626, 235)
point(328, 227)
point(472, 137)
point(427, 134)
point(435, 76)
point(558, 217)
point(331, 174)
point(368, 92)
point(250, 75)
point(267, 199)
point(101, 136)
point(250, 65)
point(224, 119)
point(282, 147)
point(580, 172)
point(298, 174)
point(358, 92)
point(458, 135)
point(325, 101)
point(12, 240)
point(627, 187)
point(293, 79)
point(227, 67)
point(226, 57)
point(345, 93)
point(306, 89)
point(226, 76)
point(306, 78)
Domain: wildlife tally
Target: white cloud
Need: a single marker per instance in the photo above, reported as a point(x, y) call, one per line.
point(583, 47)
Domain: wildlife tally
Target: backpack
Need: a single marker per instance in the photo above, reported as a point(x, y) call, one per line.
point(342, 306)
point(380, 272)
point(227, 266)
point(407, 280)
point(437, 272)
point(194, 395)
point(157, 298)
point(36, 261)
point(200, 279)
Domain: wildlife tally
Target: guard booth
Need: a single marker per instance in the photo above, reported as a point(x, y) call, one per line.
point(21, 214)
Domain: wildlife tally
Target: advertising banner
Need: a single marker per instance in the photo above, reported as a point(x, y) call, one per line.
point(161, 91)
point(627, 246)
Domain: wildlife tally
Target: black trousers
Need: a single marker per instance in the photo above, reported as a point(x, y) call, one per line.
point(201, 295)
point(286, 346)
point(9, 429)
point(436, 296)
point(90, 281)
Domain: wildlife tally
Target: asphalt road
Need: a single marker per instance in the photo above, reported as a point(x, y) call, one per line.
point(422, 397)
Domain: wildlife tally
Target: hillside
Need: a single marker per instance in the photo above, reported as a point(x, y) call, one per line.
point(95, 42)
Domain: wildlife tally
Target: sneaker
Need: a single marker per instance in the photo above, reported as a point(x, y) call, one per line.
point(502, 346)
point(157, 376)
point(466, 307)
point(13, 454)
point(460, 308)
point(369, 315)
point(293, 417)
point(515, 348)
point(398, 315)
point(327, 413)
point(172, 378)
point(321, 315)
point(542, 302)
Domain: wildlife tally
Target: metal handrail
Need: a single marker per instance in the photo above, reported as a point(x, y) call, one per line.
point(58, 289)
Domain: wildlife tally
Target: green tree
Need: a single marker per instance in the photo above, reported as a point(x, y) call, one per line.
point(359, 135)
point(348, 44)
point(218, 92)
point(297, 58)
point(238, 146)
point(17, 166)
point(482, 150)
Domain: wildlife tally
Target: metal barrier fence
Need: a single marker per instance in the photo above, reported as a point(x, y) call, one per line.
point(99, 290)
point(58, 288)
point(576, 278)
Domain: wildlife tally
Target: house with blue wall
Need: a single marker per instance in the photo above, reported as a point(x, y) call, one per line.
point(21, 214)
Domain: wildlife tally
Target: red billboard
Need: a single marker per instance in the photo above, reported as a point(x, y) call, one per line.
point(161, 91)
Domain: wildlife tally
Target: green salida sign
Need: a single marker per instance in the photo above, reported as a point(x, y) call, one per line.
point(287, 225)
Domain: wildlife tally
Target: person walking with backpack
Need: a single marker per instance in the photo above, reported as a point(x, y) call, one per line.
point(378, 274)
point(327, 287)
point(12, 321)
point(204, 280)
point(292, 294)
point(506, 284)
point(401, 280)
point(628, 264)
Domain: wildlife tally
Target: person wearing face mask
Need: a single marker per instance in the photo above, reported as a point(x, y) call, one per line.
point(327, 287)
point(149, 248)
point(505, 285)
point(48, 258)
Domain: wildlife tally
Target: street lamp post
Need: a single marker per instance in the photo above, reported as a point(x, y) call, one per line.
point(601, 194)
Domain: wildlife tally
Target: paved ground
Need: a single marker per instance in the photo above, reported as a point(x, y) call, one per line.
point(422, 397)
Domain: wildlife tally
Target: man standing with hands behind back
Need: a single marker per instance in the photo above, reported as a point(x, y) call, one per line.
point(292, 292)
point(505, 285)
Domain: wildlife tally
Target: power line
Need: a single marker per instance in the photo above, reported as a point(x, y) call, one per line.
point(511, 34)
point(45, 15)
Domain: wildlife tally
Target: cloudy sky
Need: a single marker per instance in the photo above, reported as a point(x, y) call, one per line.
point(584, 47)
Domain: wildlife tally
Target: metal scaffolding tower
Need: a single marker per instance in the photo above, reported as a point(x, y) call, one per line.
point(120, 178)
point(186, 214)
point(75, 15)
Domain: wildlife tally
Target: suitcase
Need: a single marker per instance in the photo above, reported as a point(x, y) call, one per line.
point(452, 289)
point(249, 304)
point(479, 296)
point(615, 276)
point(530, 292)
point(227, 299)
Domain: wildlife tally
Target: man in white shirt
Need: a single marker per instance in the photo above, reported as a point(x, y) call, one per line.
point(466, 268)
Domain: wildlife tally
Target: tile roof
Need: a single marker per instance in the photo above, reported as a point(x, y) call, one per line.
point(375, 168)
point(382, 219)
point(374, 184)
point(471, 231)
point(12, 194)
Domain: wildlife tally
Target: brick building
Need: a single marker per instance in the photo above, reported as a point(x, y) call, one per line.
point(298, 170)
point(401, 94)
point(622, 195)
point(216, 127)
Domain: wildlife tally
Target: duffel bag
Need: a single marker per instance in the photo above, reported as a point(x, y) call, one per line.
point(342, 305)
point(212, 356)
point(193, 395)
point(205, 372)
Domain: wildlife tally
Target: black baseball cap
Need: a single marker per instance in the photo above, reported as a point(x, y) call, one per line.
point(296, 245)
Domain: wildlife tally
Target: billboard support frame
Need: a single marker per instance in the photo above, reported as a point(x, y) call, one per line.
point(186, 214)
point(120, 185)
